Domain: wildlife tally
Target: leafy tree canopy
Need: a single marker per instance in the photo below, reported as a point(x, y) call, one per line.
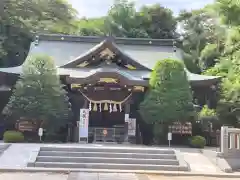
point(39, 95)
point(21, 18)
point(169, 98)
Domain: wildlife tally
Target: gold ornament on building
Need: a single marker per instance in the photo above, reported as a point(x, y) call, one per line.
point(129, 66)
point(84, 64)
point(138, 88)
point(108, 80)
point(107, 53)
point(73, 86)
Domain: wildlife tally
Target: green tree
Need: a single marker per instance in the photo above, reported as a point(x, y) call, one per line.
point(228, 67)
point(228, 11)
point(21, 18)
point(169, 98)
point(158, 22)
point(39, 95)
point(123, 21)
point(200, 28)
point(92, 27)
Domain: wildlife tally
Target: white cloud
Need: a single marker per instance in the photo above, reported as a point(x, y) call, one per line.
point(95, 8)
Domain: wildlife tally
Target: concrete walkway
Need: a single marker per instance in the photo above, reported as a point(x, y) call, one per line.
point(198, 162)
point(188, 178)
point(31, 176)
point(18, 155)
point(101, 176)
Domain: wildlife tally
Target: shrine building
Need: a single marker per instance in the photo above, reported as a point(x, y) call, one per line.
point(108, 77)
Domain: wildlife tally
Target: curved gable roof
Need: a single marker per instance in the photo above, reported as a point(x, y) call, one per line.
point(67, 49)
point(106, 44)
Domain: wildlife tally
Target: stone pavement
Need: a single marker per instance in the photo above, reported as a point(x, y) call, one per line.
point(188, 178)
point(198, 162)
point(100, 176)
point(33, 176)
point(17, 155)
point(104, 176)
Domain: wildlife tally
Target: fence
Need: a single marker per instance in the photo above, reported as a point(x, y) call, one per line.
point(108, 134)
point(230, 142)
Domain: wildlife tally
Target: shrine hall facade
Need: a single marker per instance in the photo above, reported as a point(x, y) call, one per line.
point(109, 77)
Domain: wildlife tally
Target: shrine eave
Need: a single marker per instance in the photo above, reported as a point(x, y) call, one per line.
point(124, 78)
point(129, 76)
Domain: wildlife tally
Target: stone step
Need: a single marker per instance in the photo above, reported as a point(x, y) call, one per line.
point(110, 150)
point(107, 160)
point(107, 155)
point(111, 166)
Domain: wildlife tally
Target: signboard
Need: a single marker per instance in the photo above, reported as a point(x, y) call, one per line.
point(179, 128)
point(83, 123)
point(126, 117)
point(132, 127)
point(40, 132)
point(26, 125)
point(169, 136)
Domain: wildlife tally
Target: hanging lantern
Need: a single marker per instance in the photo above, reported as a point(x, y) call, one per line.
point(105, 107)
point(95, 107)
point(115, 108)
point(90, 106)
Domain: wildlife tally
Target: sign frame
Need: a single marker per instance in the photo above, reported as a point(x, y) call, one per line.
point(132, 127)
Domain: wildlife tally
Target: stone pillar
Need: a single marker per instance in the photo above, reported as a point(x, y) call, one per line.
point(224, 140)
point(232, 141)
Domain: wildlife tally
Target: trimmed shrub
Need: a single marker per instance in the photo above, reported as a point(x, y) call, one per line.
point(197, 142)
point(13, 137)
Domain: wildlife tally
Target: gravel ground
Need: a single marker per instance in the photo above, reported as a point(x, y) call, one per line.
point(33, 176)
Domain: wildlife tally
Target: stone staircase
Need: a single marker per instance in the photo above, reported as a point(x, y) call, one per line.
point(107, 157)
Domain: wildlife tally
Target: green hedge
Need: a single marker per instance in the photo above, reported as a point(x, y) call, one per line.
point(197, 142)
point(13, 137)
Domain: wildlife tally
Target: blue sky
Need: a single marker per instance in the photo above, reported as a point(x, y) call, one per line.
point(96, 8)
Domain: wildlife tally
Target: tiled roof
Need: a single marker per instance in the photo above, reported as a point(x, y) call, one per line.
point(64, 49)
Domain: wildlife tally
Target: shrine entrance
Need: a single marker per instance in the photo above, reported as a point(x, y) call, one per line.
point(106, 127)
point(105, 119)
point(108, 103)
point(107, 114)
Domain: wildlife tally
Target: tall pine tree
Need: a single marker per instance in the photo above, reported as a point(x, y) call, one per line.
point(39, 95)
